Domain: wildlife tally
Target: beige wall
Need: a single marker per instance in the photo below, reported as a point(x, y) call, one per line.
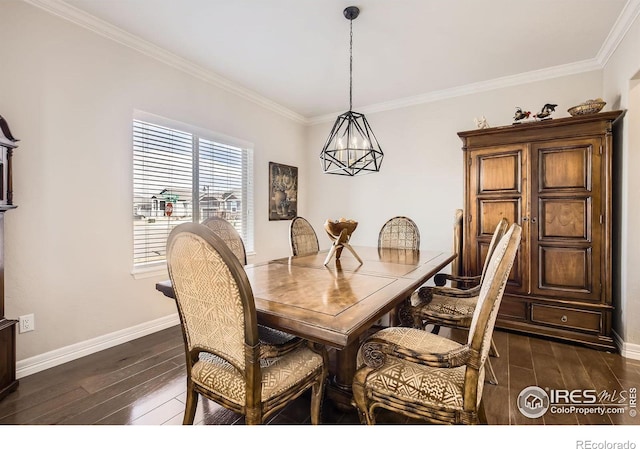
point(621, 86)
point(69, 96)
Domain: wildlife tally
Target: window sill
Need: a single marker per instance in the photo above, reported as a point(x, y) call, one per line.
point(150, 271)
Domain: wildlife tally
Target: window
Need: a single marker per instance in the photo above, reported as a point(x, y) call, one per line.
point(184, 174)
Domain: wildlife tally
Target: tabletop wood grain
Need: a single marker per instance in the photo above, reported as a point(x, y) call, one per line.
point(337, 303)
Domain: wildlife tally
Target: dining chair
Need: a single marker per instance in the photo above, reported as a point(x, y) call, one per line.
point(272, 340)
point(451, 307)
point(465, 282)
point(399, 232)
point(230, 235)
point(441, 279)
point(423, 375)
point(224, 357)
point(302, 237)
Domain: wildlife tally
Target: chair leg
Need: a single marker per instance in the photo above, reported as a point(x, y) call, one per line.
point(493, 351)
point(191, 405)
point(360, 400)
point(493, 380)
point(317, 393)
point(482, 414)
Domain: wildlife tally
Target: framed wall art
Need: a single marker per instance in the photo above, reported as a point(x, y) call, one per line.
point(283, 191)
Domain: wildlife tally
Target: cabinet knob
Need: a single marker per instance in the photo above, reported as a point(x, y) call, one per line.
point(564, 318)
point(533, 220)
point(525, 219)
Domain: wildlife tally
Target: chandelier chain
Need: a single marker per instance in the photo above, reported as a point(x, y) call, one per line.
point(351, 64)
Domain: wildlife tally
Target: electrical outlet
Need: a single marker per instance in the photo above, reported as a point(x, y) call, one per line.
point(27, 323)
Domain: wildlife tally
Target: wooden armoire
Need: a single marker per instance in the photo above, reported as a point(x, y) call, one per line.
point(554, 178)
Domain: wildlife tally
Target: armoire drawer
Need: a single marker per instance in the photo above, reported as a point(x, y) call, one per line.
point(580, 320)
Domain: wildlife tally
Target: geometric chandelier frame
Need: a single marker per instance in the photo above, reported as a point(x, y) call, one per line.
point(351, 148)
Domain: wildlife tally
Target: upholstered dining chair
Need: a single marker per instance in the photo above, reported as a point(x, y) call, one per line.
point(441, 279)
point(229, 235)
point(424, 375)
point(272, 340)
point(466, 282)
point(399, 232)
point(451, 307)
point(302, 237)
point(225, 360)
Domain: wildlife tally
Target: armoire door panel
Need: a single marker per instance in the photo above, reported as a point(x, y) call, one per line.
point(500, 173)
point(562, 168)
point(566, 218)
point(565, 269)
point(491, 211)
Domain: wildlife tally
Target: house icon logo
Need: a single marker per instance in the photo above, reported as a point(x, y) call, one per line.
point(533, 402)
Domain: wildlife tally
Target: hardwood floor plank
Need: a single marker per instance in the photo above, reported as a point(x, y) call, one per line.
point(120, 372)
point(147, 404)
point(548, 377)
point(35, 414)
point(575, 377)
point(110, 400)
point(161, 414)
point(519, 379)
point(496, 409)
point(520, 351)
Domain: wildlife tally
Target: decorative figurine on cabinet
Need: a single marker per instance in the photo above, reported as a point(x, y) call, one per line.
point(545, 112)
point(481, 123)
point(520, 115)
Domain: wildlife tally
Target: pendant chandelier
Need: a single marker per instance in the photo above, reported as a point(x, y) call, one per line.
point(351, 148)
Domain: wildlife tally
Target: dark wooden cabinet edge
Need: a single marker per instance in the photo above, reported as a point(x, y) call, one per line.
point(8, 340)
point(9, 382)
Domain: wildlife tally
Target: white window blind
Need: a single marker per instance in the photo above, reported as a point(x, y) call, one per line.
point(199, 176)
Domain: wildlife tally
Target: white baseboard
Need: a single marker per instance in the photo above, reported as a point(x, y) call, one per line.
point(59, 356)
point(627, 350)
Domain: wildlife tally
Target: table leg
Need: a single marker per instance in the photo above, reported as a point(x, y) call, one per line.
point(339, 390)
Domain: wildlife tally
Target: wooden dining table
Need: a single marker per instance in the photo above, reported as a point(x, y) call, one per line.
point(336, 304)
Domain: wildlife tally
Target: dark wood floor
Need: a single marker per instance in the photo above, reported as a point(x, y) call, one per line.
point(143, 382)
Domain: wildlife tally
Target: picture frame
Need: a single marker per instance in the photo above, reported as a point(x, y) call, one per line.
point(283, 191)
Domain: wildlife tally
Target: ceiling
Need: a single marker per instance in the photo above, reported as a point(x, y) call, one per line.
point(294, 54)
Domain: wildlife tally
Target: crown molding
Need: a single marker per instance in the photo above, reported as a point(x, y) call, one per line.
point(625, 20)
point(474, 88)
point(105, 29)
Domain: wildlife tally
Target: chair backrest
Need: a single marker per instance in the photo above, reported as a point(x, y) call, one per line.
point(498, 232)
point(229, 235)
point(456, 265)
point(486, 311)
point(399, 232)
point(215, 301)
point(302, 237)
